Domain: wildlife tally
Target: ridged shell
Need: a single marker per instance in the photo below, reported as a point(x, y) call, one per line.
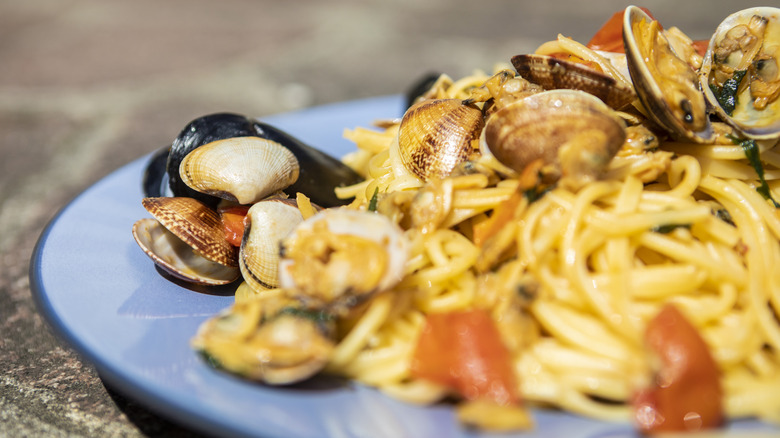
point(240, 169)
point(752, 122)
point(437, 135)
point(268, 222)
point(328, 282)
point(535, 127)
point(677, 105)
point(552, 74)
point(177, 258)
point(196, 224)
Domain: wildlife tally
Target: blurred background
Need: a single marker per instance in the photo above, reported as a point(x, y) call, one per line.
point(89, 85)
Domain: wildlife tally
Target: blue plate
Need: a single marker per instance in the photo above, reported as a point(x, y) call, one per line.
point(100, 292)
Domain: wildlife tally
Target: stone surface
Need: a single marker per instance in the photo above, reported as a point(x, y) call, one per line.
point(88, 85)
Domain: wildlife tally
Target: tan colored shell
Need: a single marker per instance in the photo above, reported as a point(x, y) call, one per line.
point(677, 104)
point(240, 169)
point(196, 224)
point(177, 258)
point(751, 121)
point(539, 125)
point(269, 339)
point(552, 74)
point(268, 222)
point(437, 135)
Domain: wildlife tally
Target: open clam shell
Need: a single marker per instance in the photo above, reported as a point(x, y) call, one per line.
point(186, 239)
point(268, 222)
point(239, 169)
point(553, 73)
point(745, 43)
point(339, 257)
point(437, 135)
point(665, 84)
point(269, 338)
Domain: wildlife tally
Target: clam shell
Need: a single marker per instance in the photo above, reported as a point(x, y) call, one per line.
point(535, 127)
point(437, 135)
point(198, 132)
point(268, 222)
point(752, 122)
point(177, 258)
point(678, 105)
point(240, 169)
point(332, 288)
point(552, 73)
point(196, 224)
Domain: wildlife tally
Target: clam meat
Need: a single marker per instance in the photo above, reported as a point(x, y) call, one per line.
point(339, 257)
point(269, 338)
point(740, 73)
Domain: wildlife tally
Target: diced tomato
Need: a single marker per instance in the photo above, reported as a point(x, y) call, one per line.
point(609, 37)
point(233, 222)
point(464, 351)
point(686, 393)
point(701, 46)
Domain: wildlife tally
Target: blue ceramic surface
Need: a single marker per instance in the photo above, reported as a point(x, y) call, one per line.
point(99, 292)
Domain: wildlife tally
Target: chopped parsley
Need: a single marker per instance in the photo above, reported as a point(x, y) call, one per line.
point(727, 94)
point(668, 228)
point(373, 201)
point(750, 148)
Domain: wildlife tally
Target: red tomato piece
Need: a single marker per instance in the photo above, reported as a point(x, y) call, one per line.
point(464, 351)
point(686, 393)
point(609, 37)
point(701, 46)
point(233, 222)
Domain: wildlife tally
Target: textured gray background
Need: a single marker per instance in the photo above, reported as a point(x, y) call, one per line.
point(88, 85)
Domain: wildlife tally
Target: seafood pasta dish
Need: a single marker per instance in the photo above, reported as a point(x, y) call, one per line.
point(592, 227)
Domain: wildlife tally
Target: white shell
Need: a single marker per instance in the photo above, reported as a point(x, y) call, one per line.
point(177, 258)
point(269, 222)
point(240, 169)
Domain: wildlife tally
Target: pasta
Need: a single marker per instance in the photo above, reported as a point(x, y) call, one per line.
point(574, 275)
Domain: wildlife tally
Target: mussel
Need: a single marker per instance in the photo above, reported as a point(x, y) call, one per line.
point(340, 257)
point(666, 84)
point(185, 239)
point(740, 73)
point(319, 173)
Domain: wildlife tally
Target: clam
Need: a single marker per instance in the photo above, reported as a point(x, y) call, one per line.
point(239, 169)
point(665, 84)
point(553, 73)
point(186, 239)
point(437, 135)
point(154, 181)
point(574, 133)
point(340, 257)
point(269, 338)
point(740, 73)
point(267, 223)
point(203, 130)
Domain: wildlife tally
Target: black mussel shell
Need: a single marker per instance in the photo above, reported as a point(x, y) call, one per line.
point(154, 180)
point(419, 87)
point(320, 173)
point(198, 132)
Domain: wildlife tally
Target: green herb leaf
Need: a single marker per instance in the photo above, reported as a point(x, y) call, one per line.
point(668, 228)
point(754, 158)
point(372, 202)
point(727, 95)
